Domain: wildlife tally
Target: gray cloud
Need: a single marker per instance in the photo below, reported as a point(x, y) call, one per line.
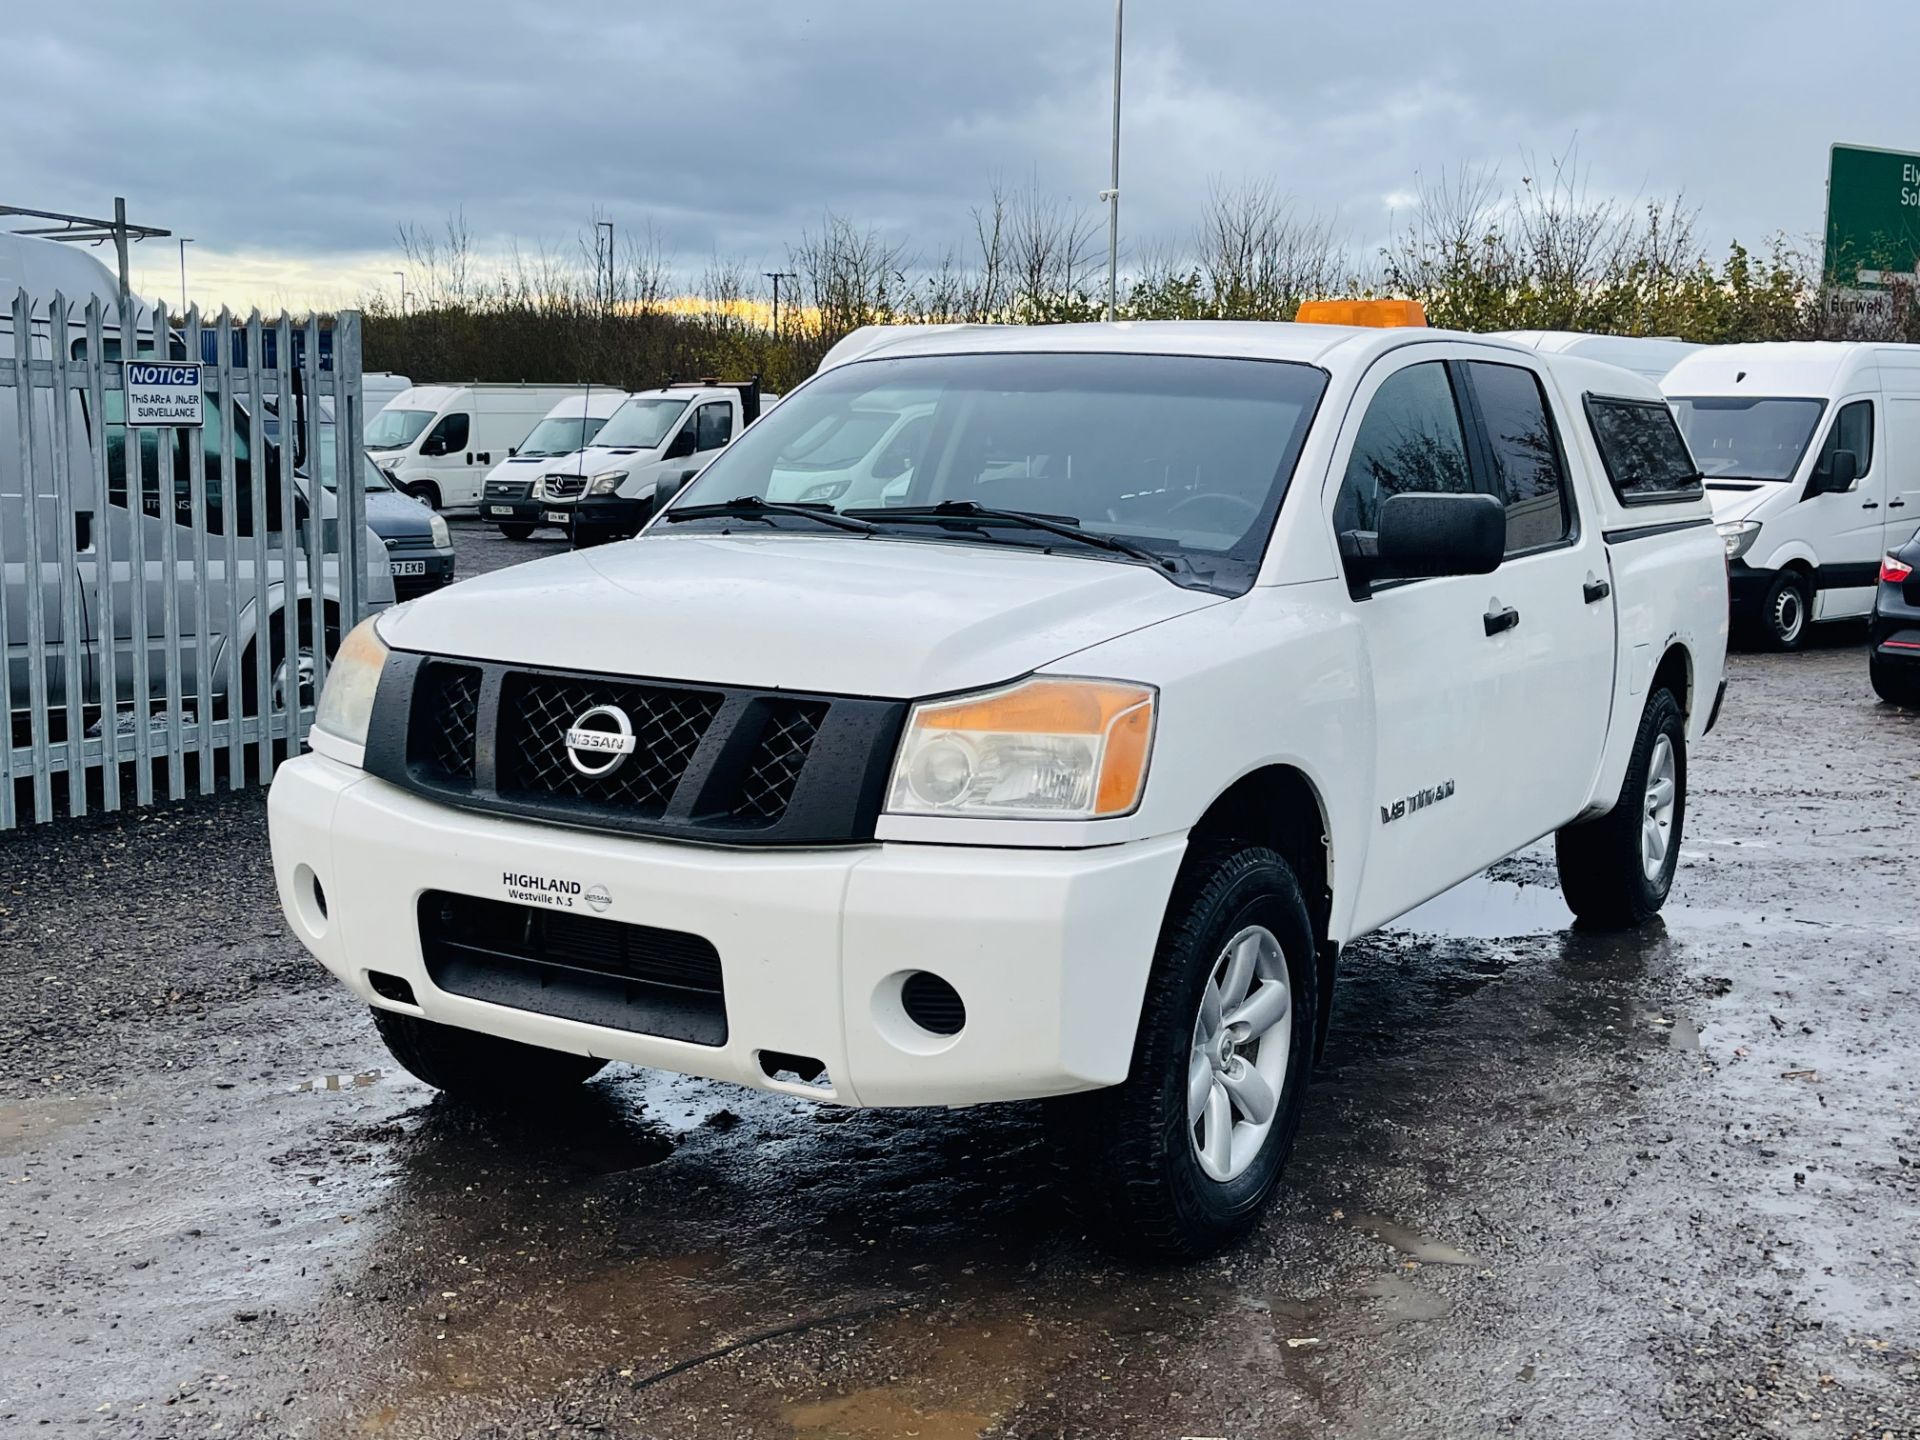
point(307, 131)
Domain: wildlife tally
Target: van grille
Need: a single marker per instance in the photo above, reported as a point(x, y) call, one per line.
point(734, 766)
point(563, 487)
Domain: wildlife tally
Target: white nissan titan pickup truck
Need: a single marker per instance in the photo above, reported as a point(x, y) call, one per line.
point(1059, 760)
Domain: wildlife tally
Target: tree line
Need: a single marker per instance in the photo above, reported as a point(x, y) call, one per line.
point(1540, 254)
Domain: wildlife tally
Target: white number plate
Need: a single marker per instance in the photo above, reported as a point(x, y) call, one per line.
point(500, 509)
point(557, 517)
point(406, 567)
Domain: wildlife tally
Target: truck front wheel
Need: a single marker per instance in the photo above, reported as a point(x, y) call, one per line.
point(1181, 1158)
point(482, 1069)
point(1615, 871)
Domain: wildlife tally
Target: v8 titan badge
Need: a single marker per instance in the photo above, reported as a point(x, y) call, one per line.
point(599, 740)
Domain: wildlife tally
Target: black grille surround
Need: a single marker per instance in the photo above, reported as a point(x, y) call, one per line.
point(716, 764)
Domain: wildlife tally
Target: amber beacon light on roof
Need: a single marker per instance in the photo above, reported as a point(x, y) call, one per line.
point(1376, 314)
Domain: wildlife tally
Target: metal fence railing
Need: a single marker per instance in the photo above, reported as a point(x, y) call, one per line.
point(171, 593)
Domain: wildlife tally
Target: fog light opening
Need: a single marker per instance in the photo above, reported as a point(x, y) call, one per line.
point(933, 1004)
point(309, 902)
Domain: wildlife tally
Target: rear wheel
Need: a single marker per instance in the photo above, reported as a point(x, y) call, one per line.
point(1894, 683)
point(585, 537)
point(517, 532)
point(1615, 871)
point(482, 1069)
point(1183, 1156)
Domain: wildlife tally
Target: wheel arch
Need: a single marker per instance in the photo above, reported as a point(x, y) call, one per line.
point(1279, 806)
point(1675, 673)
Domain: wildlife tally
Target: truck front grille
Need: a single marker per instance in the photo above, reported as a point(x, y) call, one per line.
point(537, 710)
point(706, 762)
point(508, 489)
point(574, 964)
point(563, 487)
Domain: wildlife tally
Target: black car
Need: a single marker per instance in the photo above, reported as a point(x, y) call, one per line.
point(1894, 640)
point(419, 547)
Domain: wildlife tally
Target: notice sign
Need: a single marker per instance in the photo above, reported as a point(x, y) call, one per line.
point(162, 393)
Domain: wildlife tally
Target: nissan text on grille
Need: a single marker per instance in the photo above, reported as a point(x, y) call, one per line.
point(1052, 744)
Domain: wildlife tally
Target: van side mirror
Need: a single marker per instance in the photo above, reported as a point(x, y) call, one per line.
point(1423, 536)
point(1843, 468)
point(433, 445)
point(682, 445)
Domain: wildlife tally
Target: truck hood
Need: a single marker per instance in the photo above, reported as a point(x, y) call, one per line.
point(830, 614)
point(598, 458)
point(1736, 499)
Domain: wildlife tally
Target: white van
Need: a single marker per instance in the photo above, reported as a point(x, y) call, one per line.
point(1649, 355)
point(378, 389)
point(1811, 452)
point(439, 441)
point(569, 428)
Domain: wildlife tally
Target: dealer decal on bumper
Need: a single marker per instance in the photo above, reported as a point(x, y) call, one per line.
point(554, 892)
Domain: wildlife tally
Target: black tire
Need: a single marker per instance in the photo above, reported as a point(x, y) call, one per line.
point(585, 537)
point(1895, 684)
point(1602, 873)
point(481, 1069)
point(1785, 614)
point(277, 647)
point(1128, 1154)
point(424, 490)
point(517, 532)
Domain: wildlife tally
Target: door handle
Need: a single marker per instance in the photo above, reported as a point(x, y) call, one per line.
point(1498, 620)
point(1870, 505)
point(469, 457)
point(1896, 504)
point(1596, 590)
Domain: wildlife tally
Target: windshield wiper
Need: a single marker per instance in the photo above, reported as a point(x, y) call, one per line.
point(752, 507)
point(969, 512)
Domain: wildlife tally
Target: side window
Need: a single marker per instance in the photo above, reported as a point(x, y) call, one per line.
point(1852, 429)
point(1528, 472)
point(449, 436)
point(713, 425)
point(1410, 442)
point(1646, 459)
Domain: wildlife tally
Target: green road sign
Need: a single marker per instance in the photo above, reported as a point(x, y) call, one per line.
point(1873, 214)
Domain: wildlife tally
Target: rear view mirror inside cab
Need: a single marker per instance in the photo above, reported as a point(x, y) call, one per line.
point(1428, 535)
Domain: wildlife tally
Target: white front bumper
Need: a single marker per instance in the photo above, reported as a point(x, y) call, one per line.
point(1049, 949)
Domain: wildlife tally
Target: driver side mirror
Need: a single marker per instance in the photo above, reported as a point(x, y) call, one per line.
point(433, 445)
point(890, 467)
point(1842, 470)
point(1425, 536)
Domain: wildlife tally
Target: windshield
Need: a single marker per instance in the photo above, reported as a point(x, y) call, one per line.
point(560, 435)
point(391, 429)
point(1186, 456)
point(641, 424)
point(1747, 438)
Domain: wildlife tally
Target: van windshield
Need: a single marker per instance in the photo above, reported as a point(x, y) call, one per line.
point(391, 429)
point(560, 435)
point(1173, 458)
point(1740, 437)
point(641, 424)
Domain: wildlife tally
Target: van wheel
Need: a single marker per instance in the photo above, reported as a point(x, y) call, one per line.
point(1182, 1157)
point(517, 532)
point(585, 537)
point(1786, 612)
point(480, 1069)
point(1616, 870)
point(286, 679)
point(1895, 684)
point(424, 490)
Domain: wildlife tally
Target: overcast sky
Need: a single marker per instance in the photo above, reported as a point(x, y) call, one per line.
point(291, 140)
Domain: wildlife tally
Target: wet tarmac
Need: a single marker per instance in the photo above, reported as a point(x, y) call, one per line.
point(1550, 1183)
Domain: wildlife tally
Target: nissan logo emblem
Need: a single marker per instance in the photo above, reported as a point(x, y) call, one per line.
point(599, 740)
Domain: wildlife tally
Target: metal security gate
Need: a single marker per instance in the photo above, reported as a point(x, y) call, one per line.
point(170, 595)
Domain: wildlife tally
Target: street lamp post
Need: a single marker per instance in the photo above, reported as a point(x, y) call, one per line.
point(776, 276)
point(185, 240)
point(401, 276)
point(1112, 193)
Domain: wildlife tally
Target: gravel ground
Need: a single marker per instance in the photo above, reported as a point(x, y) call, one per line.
point(1550, 1183)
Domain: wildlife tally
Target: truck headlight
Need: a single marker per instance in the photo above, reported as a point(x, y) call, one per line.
point(1738, 536)
point(442, 537)
point(606, 482)
point(1044, 749)
point(346, 704)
